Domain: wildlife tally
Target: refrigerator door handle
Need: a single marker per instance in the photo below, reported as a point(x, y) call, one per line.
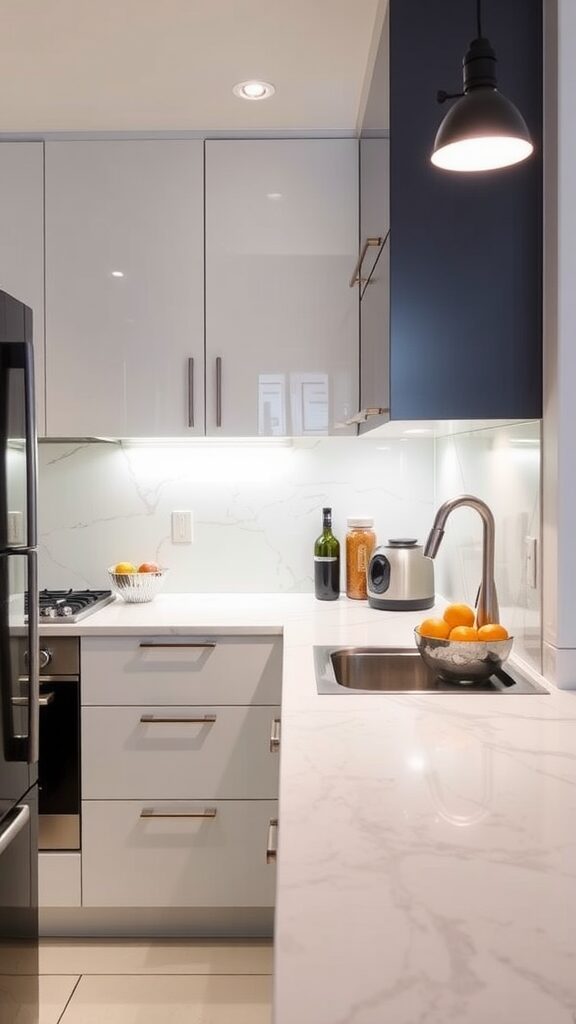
point(13, 826)
point(33, 659)
point(31, 449)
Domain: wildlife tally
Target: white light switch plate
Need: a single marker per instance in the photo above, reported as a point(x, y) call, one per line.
point(182, 527)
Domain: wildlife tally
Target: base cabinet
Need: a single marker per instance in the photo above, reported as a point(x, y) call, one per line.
point(177, 854)
point(180, 740)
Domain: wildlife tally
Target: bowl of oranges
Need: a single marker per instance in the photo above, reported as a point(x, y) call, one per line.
point(136, 584)
point(458, 650)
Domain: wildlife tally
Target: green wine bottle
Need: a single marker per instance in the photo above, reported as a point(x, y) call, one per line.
point(327, 561)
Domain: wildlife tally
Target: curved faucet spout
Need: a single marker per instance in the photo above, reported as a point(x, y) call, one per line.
point(487, 610)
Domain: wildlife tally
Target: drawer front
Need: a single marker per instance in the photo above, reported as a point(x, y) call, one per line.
point(179, 753)
point(59, 883)
point(182, 670)
point(213, 861)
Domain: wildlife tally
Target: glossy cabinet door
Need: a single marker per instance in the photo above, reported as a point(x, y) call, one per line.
point(22, 242)
point(374, 283)
point(281, 319)
point(124, 288)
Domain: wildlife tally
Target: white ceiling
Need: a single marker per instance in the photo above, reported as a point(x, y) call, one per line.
point(139, 65)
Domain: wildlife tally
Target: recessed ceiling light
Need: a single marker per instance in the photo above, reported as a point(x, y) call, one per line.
point(253, 90)
point(275, 196)
point(117, 273)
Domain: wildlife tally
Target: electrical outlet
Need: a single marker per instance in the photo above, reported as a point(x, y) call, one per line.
point(531, 560)
point(182, 527)
point(15, 529)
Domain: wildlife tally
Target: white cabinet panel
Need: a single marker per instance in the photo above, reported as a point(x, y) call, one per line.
point(178, 753)
point(124, 288)
point(22, 241)
point(281, 320)
point(184, 670)
point(181, 861)
point(59, 880)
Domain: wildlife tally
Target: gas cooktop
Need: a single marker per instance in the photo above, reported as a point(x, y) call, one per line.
point(70, 605)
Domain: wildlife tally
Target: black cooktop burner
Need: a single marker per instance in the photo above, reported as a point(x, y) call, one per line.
point(70, 605)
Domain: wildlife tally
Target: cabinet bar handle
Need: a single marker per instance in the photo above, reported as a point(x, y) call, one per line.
point(190, 392)
point(272, 844)
point(200, 646)
point(365, 414)
point(275, 736)
point(218, 391)
point(356, 275)
point(153, 812)
point(188, 719)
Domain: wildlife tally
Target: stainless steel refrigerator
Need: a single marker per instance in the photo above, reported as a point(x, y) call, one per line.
point(18, 693)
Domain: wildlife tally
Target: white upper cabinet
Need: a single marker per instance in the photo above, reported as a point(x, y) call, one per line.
point(124, 288)
point(281, 320)
point(22, 241)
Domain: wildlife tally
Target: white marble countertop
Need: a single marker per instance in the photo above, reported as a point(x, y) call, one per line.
point(427, 863)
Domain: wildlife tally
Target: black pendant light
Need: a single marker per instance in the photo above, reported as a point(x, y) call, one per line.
point(483, 130)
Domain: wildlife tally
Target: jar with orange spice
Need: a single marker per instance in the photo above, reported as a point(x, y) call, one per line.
point(360, 543)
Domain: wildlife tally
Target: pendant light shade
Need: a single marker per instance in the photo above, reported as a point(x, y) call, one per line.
point(483, 130)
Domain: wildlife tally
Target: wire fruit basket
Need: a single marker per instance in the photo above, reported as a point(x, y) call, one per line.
point(137, 587)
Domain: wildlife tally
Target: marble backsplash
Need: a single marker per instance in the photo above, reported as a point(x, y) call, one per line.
point(256, 506)
point(257, 510)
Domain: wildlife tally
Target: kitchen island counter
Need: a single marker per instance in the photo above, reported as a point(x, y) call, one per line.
point(427, 859)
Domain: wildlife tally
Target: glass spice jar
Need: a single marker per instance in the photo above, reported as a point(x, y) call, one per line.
point(360, 543)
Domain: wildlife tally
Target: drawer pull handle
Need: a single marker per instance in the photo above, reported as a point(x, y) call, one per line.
point(175, 719)
point(272, 845)
point(152, 812)
point(275, 736)
point(199, 646)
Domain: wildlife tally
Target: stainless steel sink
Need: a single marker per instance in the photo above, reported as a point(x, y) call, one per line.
point(401, 670)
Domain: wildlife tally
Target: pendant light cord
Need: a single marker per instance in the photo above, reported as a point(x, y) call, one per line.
point(479, 18)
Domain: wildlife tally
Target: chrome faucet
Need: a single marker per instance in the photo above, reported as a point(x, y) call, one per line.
point(487, 603)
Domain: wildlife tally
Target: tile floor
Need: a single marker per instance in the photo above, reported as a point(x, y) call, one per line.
point(173, 982)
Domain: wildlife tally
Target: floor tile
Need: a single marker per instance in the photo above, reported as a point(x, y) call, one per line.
point(54, 994)
point(175, 999)
point(110, 956)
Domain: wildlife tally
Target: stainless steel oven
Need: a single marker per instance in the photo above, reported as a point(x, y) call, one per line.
point(59, 742)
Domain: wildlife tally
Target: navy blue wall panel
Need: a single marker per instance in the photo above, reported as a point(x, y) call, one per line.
point(466, 250)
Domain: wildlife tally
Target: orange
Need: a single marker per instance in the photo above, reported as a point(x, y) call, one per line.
point(436, 628)
point(492, 631)
point(459, 615)
point(464, 633)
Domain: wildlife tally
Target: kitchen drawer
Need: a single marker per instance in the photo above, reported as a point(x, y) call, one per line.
point(182, 670)
point(218, 752)
point(134, 861)
point(59, 880)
